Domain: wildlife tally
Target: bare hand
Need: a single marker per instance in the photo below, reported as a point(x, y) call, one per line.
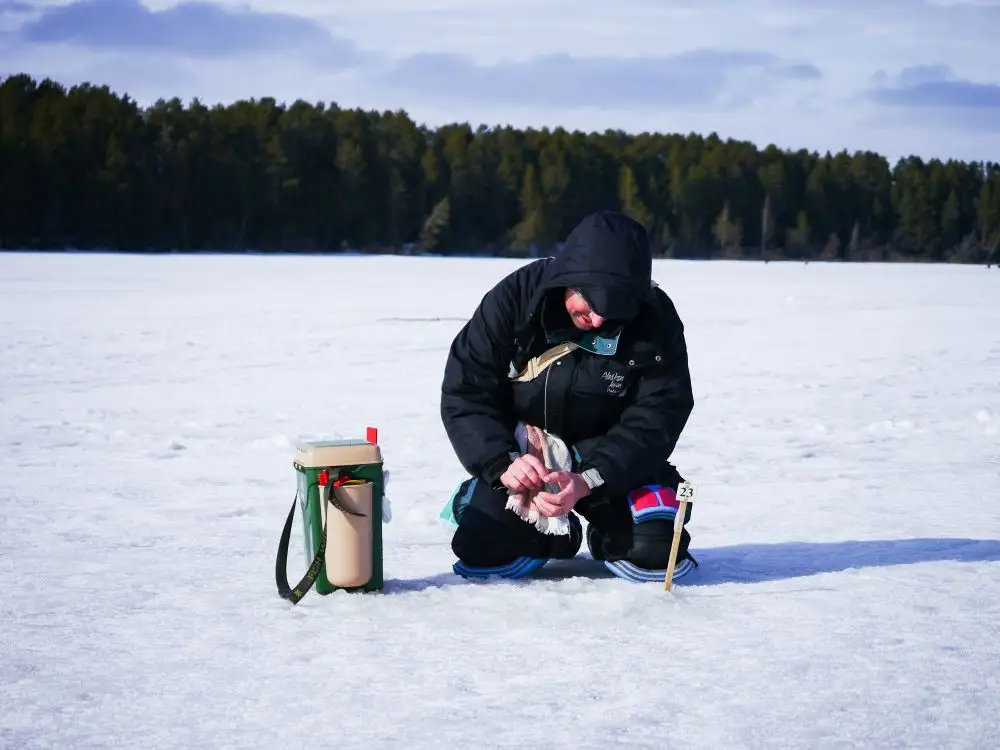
point(572, 488)
point(524, 474)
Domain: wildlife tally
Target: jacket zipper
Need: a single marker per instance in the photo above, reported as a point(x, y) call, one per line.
point(545, 397)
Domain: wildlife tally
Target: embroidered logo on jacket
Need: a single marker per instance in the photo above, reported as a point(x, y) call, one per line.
point(615, 381)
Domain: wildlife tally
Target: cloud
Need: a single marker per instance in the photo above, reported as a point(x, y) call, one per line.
point(952, 94)
point(192, 29)
point(934, 86)
point(697, 77)
point(637, 65)
point(805, 71)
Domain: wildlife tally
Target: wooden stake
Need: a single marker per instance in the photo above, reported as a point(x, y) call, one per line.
point(686, 493)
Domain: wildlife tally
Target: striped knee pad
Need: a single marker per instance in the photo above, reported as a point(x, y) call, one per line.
point(653, 501)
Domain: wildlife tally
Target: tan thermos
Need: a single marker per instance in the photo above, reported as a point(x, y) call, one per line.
point(349, 541)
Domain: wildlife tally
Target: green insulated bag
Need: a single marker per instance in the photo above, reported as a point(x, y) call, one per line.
point(340, 494)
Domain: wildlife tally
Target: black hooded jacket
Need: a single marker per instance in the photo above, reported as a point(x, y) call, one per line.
point(621, 395)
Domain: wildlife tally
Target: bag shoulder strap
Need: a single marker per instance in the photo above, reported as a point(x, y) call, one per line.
point(327, 494)
point(281, 562)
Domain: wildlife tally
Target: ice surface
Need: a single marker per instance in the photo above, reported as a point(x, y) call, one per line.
point(845, 441)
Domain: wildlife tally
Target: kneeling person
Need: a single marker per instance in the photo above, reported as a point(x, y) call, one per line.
point(577, 363)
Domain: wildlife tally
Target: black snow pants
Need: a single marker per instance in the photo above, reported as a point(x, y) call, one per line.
point(488, 534)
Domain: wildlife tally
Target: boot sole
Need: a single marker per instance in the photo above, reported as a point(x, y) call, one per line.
point(630, 572)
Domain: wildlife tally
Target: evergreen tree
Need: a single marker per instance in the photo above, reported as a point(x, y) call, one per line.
point(84, 167)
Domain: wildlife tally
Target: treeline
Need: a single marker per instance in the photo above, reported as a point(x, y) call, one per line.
point(85, 168)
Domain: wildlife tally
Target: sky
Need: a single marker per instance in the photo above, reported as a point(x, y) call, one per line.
point(898, 77)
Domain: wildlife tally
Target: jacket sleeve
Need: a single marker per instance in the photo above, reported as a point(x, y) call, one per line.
point(649, 427)
point(476, 401)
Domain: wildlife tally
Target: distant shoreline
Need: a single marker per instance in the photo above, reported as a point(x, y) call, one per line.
point(749, 258)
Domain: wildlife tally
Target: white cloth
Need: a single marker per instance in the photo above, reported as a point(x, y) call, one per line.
point(552, 452)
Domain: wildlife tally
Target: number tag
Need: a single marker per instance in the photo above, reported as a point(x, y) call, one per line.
point(686, 493)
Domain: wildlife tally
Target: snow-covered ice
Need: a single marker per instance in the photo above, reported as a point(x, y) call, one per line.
point(846, 442)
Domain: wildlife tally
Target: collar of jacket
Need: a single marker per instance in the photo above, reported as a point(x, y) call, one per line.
point(605, 344)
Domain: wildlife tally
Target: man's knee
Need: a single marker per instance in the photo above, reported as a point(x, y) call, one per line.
point(645, 544)
point(483, 541)
point(638, 528)
point(487, 537)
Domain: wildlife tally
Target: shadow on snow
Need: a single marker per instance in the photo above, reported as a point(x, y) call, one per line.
point(761, 563)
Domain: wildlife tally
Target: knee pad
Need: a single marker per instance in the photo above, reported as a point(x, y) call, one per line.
point(655, 501)
point(643, 534)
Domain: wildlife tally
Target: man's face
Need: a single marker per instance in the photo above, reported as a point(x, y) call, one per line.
point(580, 313)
